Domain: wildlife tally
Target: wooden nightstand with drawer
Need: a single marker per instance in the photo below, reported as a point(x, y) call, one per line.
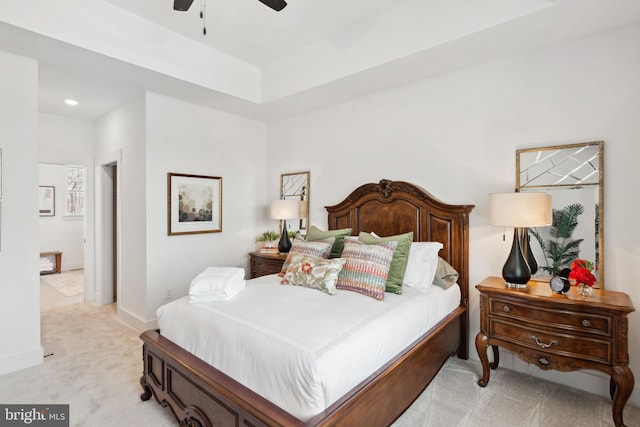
point(562, 332)
point(265, 263)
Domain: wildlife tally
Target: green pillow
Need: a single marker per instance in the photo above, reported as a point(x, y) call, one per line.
point(400, 257)
point(338, 245)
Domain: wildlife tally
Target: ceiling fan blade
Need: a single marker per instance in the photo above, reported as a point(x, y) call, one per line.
point(182, 5)
point(276, 5)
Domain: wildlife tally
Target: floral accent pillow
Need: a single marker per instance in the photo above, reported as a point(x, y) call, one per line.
point(313, 272)
point(366, 268)
point(319, 248)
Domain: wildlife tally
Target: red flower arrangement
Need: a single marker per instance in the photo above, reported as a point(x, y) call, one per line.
point(581, 273)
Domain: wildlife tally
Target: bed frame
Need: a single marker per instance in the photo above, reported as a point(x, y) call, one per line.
point(201, 396)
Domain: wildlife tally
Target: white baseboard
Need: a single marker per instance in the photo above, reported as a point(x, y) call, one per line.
point(72, 266)
point(19, 361)
point(135, 322)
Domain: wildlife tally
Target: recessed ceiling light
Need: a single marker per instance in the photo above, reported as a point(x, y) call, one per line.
point(71, 102)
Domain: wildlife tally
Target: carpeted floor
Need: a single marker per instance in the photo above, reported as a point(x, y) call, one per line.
point(70, 283)
point(96, 364)
point(51, 297)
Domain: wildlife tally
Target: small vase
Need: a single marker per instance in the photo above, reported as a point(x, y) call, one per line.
point(585, 290)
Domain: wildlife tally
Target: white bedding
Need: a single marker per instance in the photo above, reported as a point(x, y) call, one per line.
point(300, 348)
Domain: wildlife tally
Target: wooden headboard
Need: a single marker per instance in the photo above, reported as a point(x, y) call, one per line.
point(394, 207)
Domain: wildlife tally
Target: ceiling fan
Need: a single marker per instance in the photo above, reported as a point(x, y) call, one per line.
point(184, 5)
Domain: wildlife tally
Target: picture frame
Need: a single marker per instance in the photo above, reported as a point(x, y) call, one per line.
point(47, 200)
point(194, 204)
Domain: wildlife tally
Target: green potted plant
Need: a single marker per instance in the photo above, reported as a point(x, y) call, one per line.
point(268, 239)
point(561, 250)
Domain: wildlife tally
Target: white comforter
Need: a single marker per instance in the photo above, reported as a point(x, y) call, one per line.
point(300, 348)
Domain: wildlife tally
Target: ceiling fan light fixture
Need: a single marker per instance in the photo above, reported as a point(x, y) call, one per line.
point(182, 5)
point(276, 5)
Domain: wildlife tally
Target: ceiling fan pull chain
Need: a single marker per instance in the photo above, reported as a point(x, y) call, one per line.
point(203, 16)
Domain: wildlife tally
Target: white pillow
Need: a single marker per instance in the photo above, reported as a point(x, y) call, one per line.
point(422, 264)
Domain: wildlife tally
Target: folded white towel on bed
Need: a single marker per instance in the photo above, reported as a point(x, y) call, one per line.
point(216, 284)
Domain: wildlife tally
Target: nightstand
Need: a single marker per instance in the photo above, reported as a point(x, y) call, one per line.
point(265, 263)
point(562, 332)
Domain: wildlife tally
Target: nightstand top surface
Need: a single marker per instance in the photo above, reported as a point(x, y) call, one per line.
point(536, 290)
point(278, 255)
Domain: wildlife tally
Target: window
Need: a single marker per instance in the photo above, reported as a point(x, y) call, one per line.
point(75, 194)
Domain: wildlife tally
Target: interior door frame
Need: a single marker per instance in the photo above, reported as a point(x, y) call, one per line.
point(89, 214)
point(104, 228)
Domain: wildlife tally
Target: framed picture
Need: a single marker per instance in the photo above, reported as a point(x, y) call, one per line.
point(47, 200)
point(194, 204)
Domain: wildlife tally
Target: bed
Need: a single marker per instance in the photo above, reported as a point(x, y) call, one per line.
point(201, 395)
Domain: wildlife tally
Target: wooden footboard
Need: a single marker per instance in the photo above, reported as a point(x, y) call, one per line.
point(200, 395)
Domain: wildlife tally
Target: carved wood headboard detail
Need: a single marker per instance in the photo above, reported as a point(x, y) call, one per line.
point(395, 207)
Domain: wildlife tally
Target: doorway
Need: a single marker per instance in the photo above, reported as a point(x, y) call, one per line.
point(63, 190)
point(107, 247)
point(114, 231)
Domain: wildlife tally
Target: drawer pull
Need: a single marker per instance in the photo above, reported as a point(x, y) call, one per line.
point(506, 309)
point(586, 323)
point(543, 345)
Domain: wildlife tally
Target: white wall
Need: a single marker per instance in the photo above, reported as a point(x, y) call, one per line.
point(456, 136)
point(190, 139)
point(63, 136)
point(19, 273)
point(60, 233)
point(153, 135)
point(120, 136)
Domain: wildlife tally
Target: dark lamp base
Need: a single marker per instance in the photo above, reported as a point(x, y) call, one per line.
point(527, 253)
point(284, 245)
point(516, 271)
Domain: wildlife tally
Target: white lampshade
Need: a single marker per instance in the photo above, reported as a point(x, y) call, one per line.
point(520, 209)
point(285, 209)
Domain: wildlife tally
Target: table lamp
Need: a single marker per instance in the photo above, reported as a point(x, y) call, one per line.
point(284, 210)
point(519, 210)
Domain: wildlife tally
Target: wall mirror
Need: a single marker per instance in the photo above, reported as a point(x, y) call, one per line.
point(295, 186)
point(573, 175)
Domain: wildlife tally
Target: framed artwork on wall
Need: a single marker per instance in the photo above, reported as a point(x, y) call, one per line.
point(194, 204)
point(47, 200)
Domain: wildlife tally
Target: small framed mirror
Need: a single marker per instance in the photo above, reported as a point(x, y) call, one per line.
point(295, 186)
point(573, 175)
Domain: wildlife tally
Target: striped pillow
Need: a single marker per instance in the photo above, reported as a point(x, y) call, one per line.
point(366, 267)
point(319, 248)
